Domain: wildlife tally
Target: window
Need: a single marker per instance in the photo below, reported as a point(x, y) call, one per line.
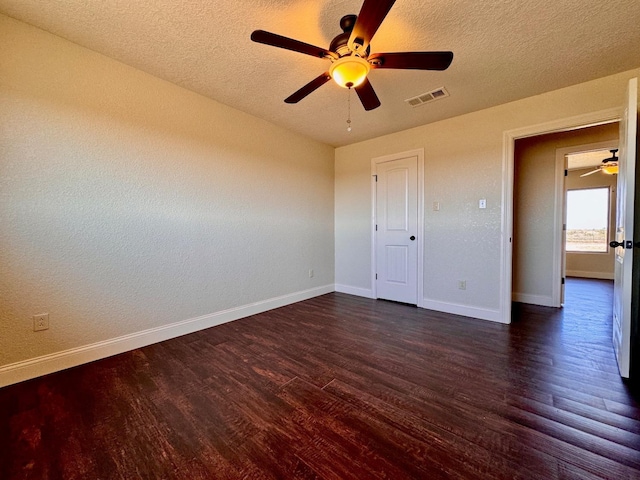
point(588, 220)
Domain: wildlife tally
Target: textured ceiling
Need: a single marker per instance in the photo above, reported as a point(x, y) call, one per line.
point(578, 161)
point(504, 50)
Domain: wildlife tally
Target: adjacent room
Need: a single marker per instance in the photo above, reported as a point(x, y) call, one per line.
point(550, 170)
point(222, 258)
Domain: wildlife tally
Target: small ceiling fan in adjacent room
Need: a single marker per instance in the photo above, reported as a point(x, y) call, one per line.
point(609, 165)
point(350, 56)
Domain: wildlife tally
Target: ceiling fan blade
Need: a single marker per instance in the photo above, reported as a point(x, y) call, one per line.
point(275, 40)
point(590, 173)
point(412, 60)
point(369, 20)
point(308, 88)
point(367, 95)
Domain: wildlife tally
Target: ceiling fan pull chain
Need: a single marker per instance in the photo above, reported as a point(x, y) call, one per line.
point(349, 111)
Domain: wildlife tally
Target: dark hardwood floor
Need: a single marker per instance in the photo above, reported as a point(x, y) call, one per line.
point(341, 387)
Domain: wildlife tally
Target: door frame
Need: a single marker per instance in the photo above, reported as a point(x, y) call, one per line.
point(559, 214)
point(419, 153)
point(509, 138)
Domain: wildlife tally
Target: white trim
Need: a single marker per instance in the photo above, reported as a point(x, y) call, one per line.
point(558, 222)
point(357, 291)
point(464, 310)
point(419, 153)
point(420, 226)
point(542, 300)
point(374, 213)
point(508, 150)
point(583, 274)
point(35, 367)
point(506, 227)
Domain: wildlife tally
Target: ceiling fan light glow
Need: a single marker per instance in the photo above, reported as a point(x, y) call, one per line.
point(610, 169)
point(349, 71)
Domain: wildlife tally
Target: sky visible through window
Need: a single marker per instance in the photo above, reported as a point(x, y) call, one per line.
point(587, 220)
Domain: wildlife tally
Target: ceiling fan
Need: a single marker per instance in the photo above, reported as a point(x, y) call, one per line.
point(609, 165)
point(350, 57)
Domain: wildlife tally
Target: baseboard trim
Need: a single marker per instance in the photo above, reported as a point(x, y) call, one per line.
point(464, 310)
point(583, 274)
point(360, 292)
point(542, 300)
point(36, 367)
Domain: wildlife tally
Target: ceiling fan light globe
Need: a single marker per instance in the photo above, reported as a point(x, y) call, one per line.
point(349, 71)
point(610, 169)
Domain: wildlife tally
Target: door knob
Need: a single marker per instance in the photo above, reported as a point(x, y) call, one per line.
point(412, 237)
point(623, 244)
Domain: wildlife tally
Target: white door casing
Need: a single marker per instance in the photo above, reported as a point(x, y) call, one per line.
point(509, 139)
point(397, 227)
point(563, 232)
point(624, 230)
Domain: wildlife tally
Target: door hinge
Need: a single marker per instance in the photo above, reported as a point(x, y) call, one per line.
point(564, 227)
point(562, 280)
point(376, 228)
point(566, 172)
point(376, 276)
point(376, 177)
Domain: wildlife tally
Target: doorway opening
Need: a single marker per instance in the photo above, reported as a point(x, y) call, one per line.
point(625, 298)
point(590, 213)
point(542, 179)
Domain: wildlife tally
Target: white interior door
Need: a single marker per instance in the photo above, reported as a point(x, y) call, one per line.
point(396, 230)
point(624, 230)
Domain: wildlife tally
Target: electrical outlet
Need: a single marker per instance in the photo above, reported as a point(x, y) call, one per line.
point(311, 273)
point(41, 322)
point(462, 284)
point(436, 206)
point(482, 203)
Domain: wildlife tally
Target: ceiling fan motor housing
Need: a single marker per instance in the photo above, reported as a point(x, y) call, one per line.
point(340, 43)
point(347, 22)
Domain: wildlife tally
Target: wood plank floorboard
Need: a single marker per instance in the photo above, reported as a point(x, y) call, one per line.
point(342, 387)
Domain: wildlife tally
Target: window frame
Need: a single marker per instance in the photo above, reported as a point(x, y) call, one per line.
point(606, 251)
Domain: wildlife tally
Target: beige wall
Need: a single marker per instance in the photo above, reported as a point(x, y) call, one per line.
point(463, 163)
point(128, 203)
point(593, 265)
point(534, 208)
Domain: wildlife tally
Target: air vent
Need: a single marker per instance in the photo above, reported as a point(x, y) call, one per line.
point(427, 97)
